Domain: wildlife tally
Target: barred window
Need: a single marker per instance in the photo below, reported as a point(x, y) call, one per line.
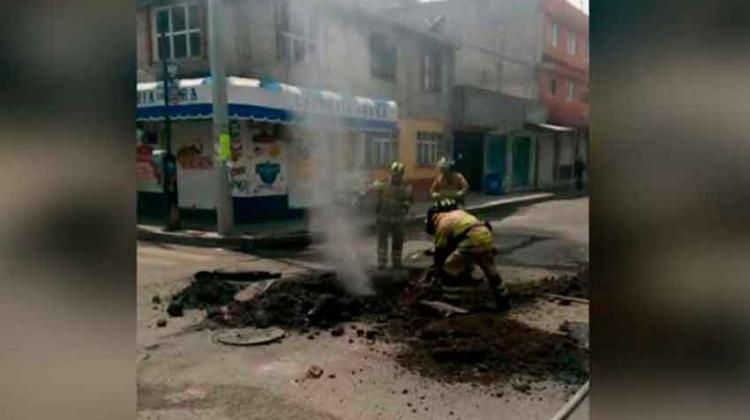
point(382, 57)
point(177, 31)
point(298, 34)
point(428, 147)
point(380, 151)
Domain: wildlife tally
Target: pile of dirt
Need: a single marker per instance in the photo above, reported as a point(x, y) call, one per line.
point(481, 347)
point(206, 292)
point(487, 348)
point(576, 285)
point(318, 301)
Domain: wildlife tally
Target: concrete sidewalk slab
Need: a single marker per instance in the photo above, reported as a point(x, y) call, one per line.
point(296, 238)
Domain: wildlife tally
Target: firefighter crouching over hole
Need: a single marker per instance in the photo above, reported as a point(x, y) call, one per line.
point(461, 242)
point(393, 201)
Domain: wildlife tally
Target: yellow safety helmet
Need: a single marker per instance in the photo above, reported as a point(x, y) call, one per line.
point(397, 168)
point(440, 206)
point(445, 164)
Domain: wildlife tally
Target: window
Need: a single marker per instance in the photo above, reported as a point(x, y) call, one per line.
point(586, 50)
point(570, 94)
point(298, 34)
point(431, 71)
point(572, 43)
point(177, 32)
point(428, 147)
point(555, 33)
point(380, 151)
point(552, 87)
point(382, 57)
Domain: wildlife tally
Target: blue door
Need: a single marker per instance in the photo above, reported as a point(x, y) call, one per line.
point(521, 162)
point(495, 165)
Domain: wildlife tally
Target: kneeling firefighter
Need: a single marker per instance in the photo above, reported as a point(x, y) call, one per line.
point(461, 242)
point(393, 201)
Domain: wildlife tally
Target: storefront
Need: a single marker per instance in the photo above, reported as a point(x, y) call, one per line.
point(286, 142)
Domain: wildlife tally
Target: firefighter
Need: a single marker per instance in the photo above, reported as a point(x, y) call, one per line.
point(461, 242)
point(449, 183)
point(392, 206)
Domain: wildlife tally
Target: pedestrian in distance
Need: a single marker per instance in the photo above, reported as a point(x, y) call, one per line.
point(579, 167)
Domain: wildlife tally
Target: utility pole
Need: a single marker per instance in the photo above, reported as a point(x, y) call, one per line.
point(169, 163)
point(224, 204)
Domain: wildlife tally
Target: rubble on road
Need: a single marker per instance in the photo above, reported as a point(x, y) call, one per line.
point(315, 372)
point(571, 286)
point(205, 293)
point(318, 300)
point(175, 309)
point(487, 348)
point(237, 276)
point(474, 347)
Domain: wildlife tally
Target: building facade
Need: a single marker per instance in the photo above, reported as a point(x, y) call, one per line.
point(563, 76)
point(324, 52)
point(496, 89)
point(563, 89)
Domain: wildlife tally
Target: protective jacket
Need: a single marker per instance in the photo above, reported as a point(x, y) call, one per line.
point(460, 230)
point(393, 202)
point(449, 186)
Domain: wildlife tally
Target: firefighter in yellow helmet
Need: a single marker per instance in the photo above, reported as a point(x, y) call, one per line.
point(392, 206)
point(449, 183)
point(461, 242)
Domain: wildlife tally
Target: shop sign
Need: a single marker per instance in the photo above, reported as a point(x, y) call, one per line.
point(156, 96)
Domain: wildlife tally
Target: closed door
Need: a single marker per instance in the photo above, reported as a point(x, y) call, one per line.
point(495, 164)
point(521, 162)
point(469, 157)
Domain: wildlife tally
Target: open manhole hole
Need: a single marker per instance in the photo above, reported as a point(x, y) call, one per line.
point(249, 336)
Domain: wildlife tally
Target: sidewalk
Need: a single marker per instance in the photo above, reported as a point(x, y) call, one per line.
point(293, 234)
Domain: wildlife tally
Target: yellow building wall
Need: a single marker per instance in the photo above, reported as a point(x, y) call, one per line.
point(420, 176)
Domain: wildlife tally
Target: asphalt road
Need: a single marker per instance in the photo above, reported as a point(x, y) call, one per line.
point(182, 374)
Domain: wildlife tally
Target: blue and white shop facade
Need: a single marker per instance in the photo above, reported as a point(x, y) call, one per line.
point(273, 126)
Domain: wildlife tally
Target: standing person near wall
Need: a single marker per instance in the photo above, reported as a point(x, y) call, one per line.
point(578, 169)
point(449, 183)
point(393, 200)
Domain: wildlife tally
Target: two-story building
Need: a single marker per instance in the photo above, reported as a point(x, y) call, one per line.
point(312, 84)
point(496, 89)
point(563, 89)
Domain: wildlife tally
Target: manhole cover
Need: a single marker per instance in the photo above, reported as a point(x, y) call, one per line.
point(249, 336)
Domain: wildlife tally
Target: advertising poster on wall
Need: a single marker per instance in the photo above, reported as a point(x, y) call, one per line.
point(148, 169)
point(196, 181)
point(303, 173)
point(258, 164)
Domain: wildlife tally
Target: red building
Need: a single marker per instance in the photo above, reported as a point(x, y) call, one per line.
point(564, 73)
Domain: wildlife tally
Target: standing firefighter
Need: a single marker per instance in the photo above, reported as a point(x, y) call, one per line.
point(461, 242)
point(393, 201)
point(449, 183)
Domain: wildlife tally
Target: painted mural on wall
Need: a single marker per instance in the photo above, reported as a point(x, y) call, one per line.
point(193, 157)
point(196, 178)
point(258, 164)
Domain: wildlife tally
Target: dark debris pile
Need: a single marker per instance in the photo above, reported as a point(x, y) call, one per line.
point(480, 347)
point(318, 301)
point(487, 348)
point(576, 286)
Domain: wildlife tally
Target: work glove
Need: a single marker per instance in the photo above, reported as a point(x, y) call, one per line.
point(439, 256)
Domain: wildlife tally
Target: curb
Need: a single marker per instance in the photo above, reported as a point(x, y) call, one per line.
point(296, 239)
